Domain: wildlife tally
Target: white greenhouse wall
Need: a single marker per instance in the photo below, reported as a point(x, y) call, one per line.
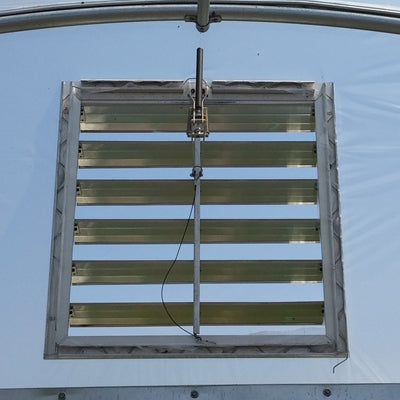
point(365, 68)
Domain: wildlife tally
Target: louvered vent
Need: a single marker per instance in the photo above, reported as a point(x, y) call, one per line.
point(269, 240)
point(237, 158)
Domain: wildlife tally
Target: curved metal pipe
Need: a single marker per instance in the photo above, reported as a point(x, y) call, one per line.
point(93, 13)
point(299, 12)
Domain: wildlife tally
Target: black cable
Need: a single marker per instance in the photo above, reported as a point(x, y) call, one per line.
point(172, 266)
point(339, 363)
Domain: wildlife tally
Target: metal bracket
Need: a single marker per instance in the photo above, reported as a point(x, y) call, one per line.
point(213, 18)
point(197, 126)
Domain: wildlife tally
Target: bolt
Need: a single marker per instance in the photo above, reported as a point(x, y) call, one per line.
point(194, 394)
point(326, 392)
point(61, 396)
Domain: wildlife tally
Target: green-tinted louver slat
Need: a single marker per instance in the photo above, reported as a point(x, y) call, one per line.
point(254, 191)
point(142, 231)
point(212, 271)
point(222, 117)
point(153, 314)
point(100, 154)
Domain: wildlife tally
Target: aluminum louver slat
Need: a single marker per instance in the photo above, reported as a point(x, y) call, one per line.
point(142, 117)
point(153, 314)
point(124, 154)
point(212, 271)
point(264, 126)
point(147, 231)
point(101, 112)
point(255, 191)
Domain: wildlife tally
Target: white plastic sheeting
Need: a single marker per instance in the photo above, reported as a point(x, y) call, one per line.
point(365, 69)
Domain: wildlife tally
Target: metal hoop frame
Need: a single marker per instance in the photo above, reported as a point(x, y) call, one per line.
point(323, 13)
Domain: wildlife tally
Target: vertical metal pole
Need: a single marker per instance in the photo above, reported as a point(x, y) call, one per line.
point(203, 17)
point(196, 235)
point(197, 172)
point(199, 82)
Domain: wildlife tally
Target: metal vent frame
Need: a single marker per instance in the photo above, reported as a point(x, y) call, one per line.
point(303, 106)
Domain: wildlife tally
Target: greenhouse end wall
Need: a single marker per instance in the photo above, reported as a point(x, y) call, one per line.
point(364, 68)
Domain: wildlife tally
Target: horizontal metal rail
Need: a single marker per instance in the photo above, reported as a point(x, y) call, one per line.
point(159, 231)
point(222, 191)
point(124, 154)
point(153, 314)
point(309, 12)
point(212, 271)
point(123, 94)
point(372, 391)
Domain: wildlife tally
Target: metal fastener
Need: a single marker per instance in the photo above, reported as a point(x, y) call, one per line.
point(326, 392)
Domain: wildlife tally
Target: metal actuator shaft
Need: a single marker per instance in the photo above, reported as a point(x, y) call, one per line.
point(198, 115)
point(197, 129)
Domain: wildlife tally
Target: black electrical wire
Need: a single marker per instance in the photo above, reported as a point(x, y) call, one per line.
point(341, 362)
point(170, 269)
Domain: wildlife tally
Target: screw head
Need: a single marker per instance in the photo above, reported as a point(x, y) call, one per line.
point(61, 396)
point(326, 392)
point(194, 394)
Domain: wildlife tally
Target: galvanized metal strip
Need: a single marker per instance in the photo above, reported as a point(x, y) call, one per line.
point(153, 314)
point(372, 391)
point(149, 231)
point(129, 154)
point(212, 271)
point(239, 191)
